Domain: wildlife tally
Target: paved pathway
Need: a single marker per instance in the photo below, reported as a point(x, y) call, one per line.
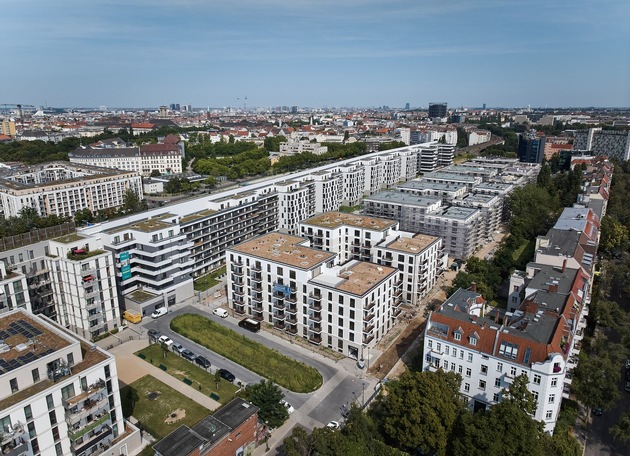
point(130, 368)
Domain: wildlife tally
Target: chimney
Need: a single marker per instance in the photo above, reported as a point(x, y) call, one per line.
point(553, 288)
point(564, 265)
point(473, 286)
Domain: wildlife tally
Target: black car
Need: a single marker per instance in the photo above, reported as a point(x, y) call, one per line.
point(202, 361)
point(190, 356)
point(227, 375)
point(153, 334)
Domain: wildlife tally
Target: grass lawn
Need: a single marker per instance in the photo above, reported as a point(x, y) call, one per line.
point(268, 363)
point(181, 368)
point(525, 249)
point(152, 413)
point(209, 280)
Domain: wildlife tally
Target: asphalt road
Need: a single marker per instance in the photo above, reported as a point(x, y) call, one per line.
point(343, 383)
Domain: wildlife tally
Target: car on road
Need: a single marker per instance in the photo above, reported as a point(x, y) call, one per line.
point(153, 334)
point(287, 406)
point(165, 340)
point(157, 313)
point(202, 361)
point(189, 355)
point(333, 425)
point(598, 411)
point(628, 364)
point(178, 348)
point(227, 375)
point(219, 312)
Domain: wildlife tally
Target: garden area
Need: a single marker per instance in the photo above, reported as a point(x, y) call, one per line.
point(181, 369)
point(159, 408)
point(209, 280)
point(286, 372)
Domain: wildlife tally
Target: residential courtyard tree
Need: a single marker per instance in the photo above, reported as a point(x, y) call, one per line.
point(266, 395)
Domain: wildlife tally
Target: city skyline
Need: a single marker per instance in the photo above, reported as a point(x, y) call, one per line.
point(316, 54)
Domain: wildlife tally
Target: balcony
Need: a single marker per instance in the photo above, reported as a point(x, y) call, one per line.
point(257, 288)
point(315, 339)
point(14, 434)
point(279, 325)
point(238, 280)
point(291, 309)
point(255, 268)
point(279, 316)
point(317, 328)
point(368, 329)
point(239, 308)
point(316, 306)
point(370, 306)
point(291, 319)
point(368, 339)
point(315, 317)
point(291, 298)
point(397, 311)
point(257, 314)
point(278, 304)
point(88, 407)
point(291, 330)
point(368, 317)
point(257, 305)
point(94, 439)
point(315, 296)
point(237, 271)
point(256, 277)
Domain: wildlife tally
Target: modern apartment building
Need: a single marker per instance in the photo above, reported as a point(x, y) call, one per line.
point(462, 229)
point(437, 110)
point(59, 394)
point(83, 285)
point(610, 143)
point(420, 258)
point(63, 189)
point(300, 146)
point(13, 290)
point(531, 147)
point(153, 267)
point(279, 279)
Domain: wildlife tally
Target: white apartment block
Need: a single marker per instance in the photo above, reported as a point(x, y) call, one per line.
point(59, 395)
point(489, 350)
point(447, 192)
point(152, 268)
point(491, 208)
point(295, 203)
point(478, 137)
point(13, 290)
point(280, 280)
point(63, 189)
point(83, 284)
point(353, 183)
point(328, 190)
point(300, 146)
point(420, 258)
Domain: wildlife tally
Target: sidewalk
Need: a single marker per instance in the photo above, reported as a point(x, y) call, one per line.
point(130, 368)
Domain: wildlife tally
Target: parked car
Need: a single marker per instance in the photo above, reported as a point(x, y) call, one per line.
point(202, 361)
point(219, 312)
point(598, 411)
point(227, 375)
point(166, 340)
point(333, 425)
point(287, 406)
point(178, 348)
point(157, 313)
point(189, 355)
point(153, 334)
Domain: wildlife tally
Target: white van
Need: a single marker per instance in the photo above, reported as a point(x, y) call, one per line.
point(219, 312)
point(159, 312)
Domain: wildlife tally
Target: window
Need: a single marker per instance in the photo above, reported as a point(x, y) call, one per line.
point(445, 365)
point(53, 417)
point(35, 373)
point(552, 398)
point(536, 379)
point(473, 340)
point(499, 367)
point(454, 353)
point(470, 357)
point(458, 335)
point(554, 381)
point(14, 385)
point(482, 385)
point(5, 424)
point(459, 369)
point(67, 391)
point(549, 414)
point(512, 371)
point(535, 393)
point(497, 382)
point(461, 354)
point(484, 369)
point(446, 350)
point(58, 449)
point(508, 350)
point(468, 372)
point(430, 343)
point(496, 397)
point(50, 402)
point(31, 430)
point(438, 347)
point(466, 387)
point(28, 413)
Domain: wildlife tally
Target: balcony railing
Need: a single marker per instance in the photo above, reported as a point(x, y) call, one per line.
point(315, 339)
point(315, 317)
point(368, 339)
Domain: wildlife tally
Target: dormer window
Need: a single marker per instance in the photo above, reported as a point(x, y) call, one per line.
point(457, 334)
point(473, 340)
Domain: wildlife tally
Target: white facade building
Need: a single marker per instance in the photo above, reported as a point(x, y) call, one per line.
point(13, 290)
point(59, 395)
point(281, 280)
point(63, 189)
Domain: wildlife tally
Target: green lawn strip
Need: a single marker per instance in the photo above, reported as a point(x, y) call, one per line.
point(181, 368)
point(268, 363)
point(523, 249)
point(209, 280)
point(152, 413)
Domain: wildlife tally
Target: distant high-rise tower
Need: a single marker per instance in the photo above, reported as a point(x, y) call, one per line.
point(484, 106)
point(407, 106)
point(531, 147)
point(437, 110)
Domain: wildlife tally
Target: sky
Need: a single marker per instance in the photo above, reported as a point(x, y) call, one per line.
point(319, 53)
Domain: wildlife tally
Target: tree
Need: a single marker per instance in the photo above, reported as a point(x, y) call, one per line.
point(419, 410)
point(164, 348)
point(614, 236)
point(132, 202)
point(621, 429)
point(266, 395)
point(596, 376)
point(544, 176)
point(83, 216)
point(217, 378)
point(155, 173)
